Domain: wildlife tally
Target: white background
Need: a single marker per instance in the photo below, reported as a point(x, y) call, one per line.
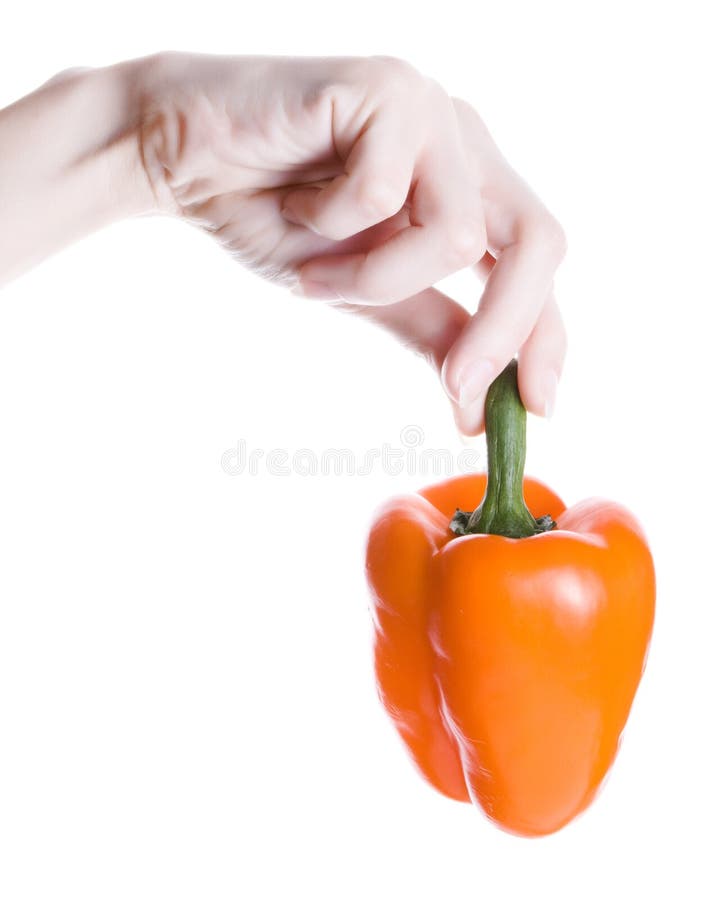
point(186, 700)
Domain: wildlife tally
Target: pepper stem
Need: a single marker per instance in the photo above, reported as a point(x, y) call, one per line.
point(503, 510)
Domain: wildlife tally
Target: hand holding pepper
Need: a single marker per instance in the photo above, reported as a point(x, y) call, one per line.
point(357, 181)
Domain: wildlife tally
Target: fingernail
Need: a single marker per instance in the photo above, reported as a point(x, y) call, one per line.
point(474, 380)
point(550, 392)
point(316, 290)
point(290, 216)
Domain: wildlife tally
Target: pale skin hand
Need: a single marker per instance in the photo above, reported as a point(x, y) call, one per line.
point(356, 181)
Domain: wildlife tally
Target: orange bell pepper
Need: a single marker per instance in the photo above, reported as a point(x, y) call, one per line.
point(509, 646)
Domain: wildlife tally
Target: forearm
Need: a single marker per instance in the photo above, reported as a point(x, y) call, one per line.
point(69, 163)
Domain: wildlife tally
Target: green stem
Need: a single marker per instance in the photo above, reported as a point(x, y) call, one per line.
point(503, 510)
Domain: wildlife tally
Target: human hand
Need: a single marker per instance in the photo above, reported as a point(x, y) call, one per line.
point(361, 182)
point(358, 181)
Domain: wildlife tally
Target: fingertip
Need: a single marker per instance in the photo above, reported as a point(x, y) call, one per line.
point(466, 382)
point(297, 208)
point(541, 362)
point(549, 393)
point(470, 421)
point(538, 390)
point(449, 379)
point(469, 415)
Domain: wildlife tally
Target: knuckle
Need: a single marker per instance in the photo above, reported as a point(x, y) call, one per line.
point(392, 78)
point(396, 68)
point(379, 199)
point(465, 241)
point(437, 94)
point(66, 75)
point(552, 237)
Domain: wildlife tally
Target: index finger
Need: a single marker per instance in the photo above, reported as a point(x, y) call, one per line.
point(515, 293)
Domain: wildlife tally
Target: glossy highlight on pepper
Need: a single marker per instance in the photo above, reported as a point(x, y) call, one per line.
point(508, 664)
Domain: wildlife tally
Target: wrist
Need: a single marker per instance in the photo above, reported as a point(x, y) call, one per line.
point(113, 98)
point(93, 164)
point(70, 163)
point(148, 83)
